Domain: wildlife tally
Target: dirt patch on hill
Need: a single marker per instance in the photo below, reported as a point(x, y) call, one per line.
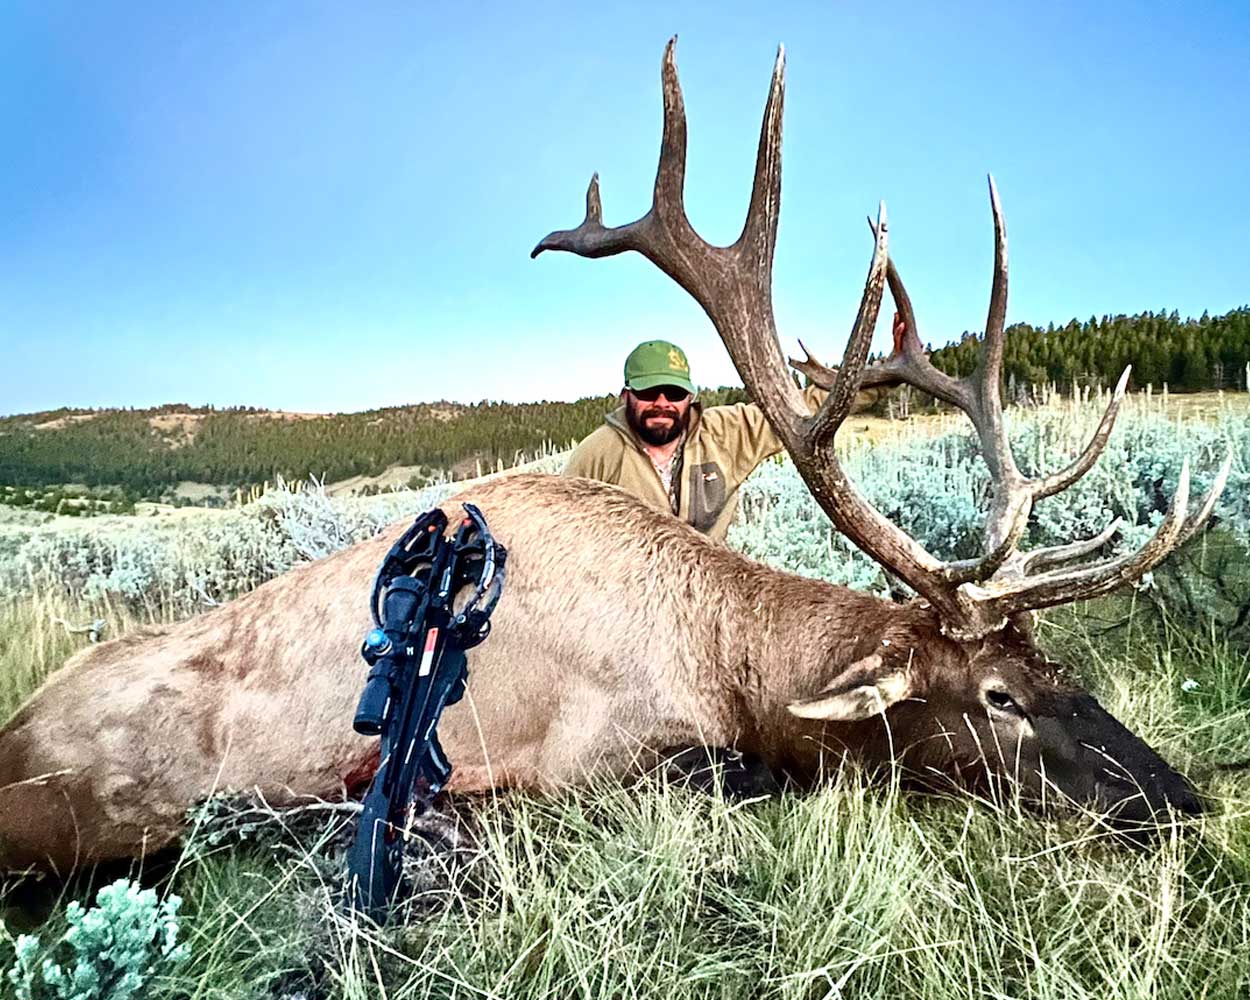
point(393, 478)
point(196, 492)
point(446, 413)
point(178, 429)
point(62, 422)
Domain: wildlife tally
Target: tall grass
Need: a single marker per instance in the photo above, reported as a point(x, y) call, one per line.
point(39, 631)
point(863, 890)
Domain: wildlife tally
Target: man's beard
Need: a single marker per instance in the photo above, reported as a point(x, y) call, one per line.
point(656, 436)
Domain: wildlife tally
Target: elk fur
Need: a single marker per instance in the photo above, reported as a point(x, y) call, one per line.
point(621, 632)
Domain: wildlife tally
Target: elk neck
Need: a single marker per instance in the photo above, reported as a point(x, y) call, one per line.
point(784, 637)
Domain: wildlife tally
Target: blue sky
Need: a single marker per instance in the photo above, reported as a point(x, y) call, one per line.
point(330, 206)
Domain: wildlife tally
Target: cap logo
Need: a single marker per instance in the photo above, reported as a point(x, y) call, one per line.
point(676, 362)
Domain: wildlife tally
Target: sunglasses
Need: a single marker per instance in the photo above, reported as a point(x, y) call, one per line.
point(673, 393)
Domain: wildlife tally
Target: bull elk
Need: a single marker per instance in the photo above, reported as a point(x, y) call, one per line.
point(623, 631)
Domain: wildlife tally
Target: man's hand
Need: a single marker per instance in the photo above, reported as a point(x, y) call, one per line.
point(900, 331)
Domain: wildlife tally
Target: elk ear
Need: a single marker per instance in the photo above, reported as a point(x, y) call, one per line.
point(864, 689)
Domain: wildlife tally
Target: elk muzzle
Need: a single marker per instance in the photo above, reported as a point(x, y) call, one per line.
point(1092, 758)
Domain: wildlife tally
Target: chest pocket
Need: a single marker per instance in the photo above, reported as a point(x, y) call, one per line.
point(707, 494)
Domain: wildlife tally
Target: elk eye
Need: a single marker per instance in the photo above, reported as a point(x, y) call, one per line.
point(1003, 702)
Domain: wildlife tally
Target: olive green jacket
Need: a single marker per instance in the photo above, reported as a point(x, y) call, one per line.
point(723, 446)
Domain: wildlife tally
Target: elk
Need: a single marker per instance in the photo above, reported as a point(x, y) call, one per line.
point(623, 631)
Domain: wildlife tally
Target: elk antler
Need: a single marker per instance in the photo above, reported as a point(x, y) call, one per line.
point(1012, 495)
point(1010, 588)
point(733, 284)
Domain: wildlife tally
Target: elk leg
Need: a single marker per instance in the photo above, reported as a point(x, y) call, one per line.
point(732, 773)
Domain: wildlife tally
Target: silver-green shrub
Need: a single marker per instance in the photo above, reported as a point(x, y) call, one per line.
point(111, 951)
point(184, 563)
point(937, 489)
point(934, 487)
point(188, 562)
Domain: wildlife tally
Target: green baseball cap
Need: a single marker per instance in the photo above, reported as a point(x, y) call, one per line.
point(657, 362)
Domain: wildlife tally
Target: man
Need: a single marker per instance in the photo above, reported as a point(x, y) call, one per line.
point(662, 446)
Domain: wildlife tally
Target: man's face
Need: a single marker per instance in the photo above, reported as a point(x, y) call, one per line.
point(657, 415)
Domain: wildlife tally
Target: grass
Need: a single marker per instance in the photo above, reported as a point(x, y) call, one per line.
point(40, 631)
point(861, 891)
point(1205, 407)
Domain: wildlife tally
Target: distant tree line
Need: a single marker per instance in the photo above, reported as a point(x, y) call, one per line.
point(243, 446)
point(74, 501)
point(1187, 355)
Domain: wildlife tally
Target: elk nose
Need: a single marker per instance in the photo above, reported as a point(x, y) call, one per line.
point(1188, 801)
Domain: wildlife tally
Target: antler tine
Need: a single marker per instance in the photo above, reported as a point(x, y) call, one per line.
point(743, 315)
point(1010, 496)
point(664, 235)
point(670, 175)
point(978, 396)
point(988, 415)
point(759, 231)
point(594, 205)
point(909, 343)
point(817, 463)
point(1021, 564)
point(837, 405)
point(1200, 516)
point(592, 238)
point(1057, 482)
point(1064, 586)
point(810, 366)
point(992, 357)
point(909, 362)
point(1015, 591)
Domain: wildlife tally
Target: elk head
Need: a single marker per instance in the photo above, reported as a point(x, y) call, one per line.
point(960, 690)
point(988, 714)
